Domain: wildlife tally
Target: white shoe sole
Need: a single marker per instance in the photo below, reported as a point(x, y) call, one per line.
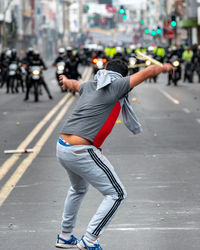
point(80, 247)
point(59, 245)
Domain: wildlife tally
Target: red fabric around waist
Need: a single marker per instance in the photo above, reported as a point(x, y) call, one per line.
point(108, 126)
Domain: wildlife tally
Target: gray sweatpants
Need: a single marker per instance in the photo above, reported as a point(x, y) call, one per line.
point(85, 164)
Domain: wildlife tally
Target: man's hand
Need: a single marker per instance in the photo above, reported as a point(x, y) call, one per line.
point(69, 83)
point(63, 82)
point(168, 68)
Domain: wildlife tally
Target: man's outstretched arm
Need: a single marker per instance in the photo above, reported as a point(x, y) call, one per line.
point(149, 72)
point(69, 83)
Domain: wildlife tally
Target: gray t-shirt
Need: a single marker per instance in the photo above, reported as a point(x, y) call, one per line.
point(97, 110)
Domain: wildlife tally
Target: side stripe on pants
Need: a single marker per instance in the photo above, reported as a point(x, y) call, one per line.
point(116, 186)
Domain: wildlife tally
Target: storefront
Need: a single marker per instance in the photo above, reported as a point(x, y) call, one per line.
point(193, 30)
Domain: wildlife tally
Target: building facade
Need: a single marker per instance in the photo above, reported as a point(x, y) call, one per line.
point(34, 23)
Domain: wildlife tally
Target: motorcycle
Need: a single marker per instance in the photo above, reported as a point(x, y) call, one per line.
point(12, 77)
point(35, 78)
point(98, 63)
point(149, 63)
point(132, 65)
point(176, 76)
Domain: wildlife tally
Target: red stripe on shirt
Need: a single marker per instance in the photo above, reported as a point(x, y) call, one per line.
point(108, 126)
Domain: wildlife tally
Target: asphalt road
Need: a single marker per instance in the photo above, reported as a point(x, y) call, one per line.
point(159, 168)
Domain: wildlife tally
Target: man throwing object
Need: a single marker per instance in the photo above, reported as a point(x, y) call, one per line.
point(78, 147)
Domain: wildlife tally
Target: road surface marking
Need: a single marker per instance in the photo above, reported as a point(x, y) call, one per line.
point(7, 165)
point(154, 229)
point(198, 120)
point(84, 73)
point(6, 230)
point(90, 73)
point(186, 110)
point(23, 166)
point(175, 101)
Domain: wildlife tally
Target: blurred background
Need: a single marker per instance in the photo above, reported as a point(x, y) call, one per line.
point(43, 39)
point(49, 24)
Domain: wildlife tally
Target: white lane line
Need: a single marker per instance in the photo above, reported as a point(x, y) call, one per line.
point(85, 73)
point(8, 164)
point(23, 166)
point(198, 120)
point(186, 110)
point(175, 101)
point(10, 184)
point(89, 73)
point(155, 229)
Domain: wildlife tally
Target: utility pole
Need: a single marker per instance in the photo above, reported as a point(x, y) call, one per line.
point(4, 23)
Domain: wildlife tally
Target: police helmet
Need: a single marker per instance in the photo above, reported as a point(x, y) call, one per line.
point(36, 54)
point(8, 53)
point(29, 51)
point(13, 52)
point(69, 48)
point(61, 51)
point(119, 50)
point(150, 49)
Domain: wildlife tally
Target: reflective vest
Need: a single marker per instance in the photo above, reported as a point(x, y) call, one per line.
point(187, 55)
point(160, 52)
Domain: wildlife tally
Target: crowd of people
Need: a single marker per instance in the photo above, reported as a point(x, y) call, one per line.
point(19, 73)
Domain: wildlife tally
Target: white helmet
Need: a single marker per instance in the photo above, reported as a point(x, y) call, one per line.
point(61, 51)
point(132, 46)
point(150, 48)
point(99, 48)
point(69, 48)
point(8, 53)
point(119, 50)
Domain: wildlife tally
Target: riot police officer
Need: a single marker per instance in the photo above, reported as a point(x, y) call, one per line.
point(61, 56)
point(37, 61)
point(120, 54)
point(3, 68)
point(195, 62)
point(187, 57)
point(27, 61)
point(13, 81)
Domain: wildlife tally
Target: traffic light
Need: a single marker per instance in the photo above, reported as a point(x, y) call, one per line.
point(86, 8)
point(146, 31)
point(124, 16)
point(122, 10)
point(173, 21)
point(153, 32)
point(142, 22)
point(158, 31)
